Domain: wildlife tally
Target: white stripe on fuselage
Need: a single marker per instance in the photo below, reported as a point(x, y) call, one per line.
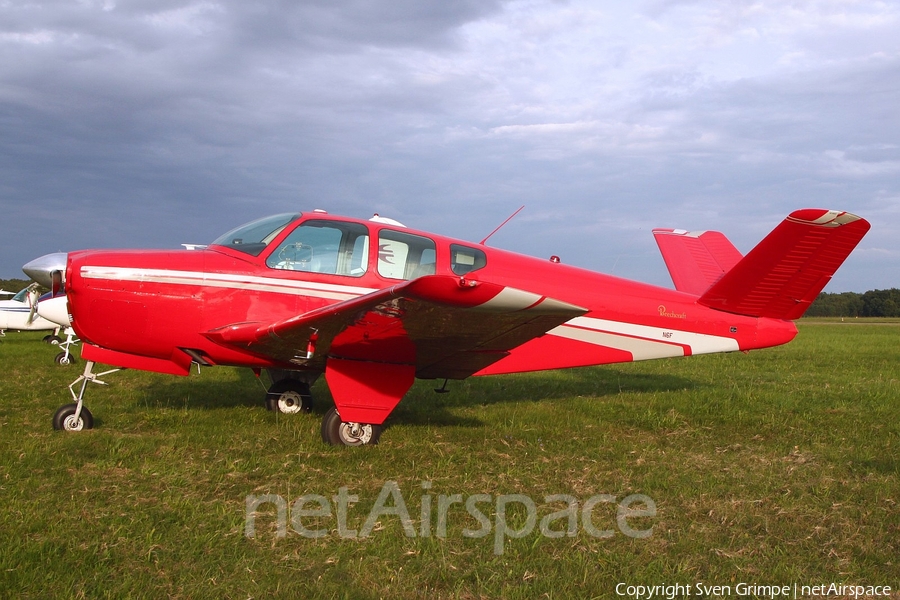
point(642, 341)
point(224, 280)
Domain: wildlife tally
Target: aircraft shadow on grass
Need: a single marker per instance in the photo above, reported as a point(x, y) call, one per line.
point(422, 406)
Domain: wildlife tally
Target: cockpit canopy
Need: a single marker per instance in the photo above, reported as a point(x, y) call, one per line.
point(335, 246)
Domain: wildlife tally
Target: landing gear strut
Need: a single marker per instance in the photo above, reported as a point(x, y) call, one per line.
point(65, 357)
point(75, 417)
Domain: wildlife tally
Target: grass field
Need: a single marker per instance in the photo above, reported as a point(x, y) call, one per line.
point(779, 467)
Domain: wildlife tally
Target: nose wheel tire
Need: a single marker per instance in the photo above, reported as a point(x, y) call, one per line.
point(64, 359)
point(340, 433)
point(289, 397)
point(64, 419)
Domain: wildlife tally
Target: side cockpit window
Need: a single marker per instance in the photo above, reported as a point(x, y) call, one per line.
point(329, 247)
point(405, 256)
point(465, 260)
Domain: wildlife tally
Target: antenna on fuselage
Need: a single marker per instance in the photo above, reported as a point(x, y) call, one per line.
point(508, 219)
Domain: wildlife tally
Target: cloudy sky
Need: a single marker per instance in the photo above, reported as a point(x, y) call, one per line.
point(149, 123)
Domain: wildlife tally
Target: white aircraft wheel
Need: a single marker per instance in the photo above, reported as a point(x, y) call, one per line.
point(64, 358)
point(289, 397)
point(64, 419)
point(53, 339)
point(337, 432)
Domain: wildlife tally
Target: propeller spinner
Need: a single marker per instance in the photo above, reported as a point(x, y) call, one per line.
point(48, 270)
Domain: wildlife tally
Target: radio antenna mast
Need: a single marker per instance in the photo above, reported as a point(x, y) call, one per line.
point(508, 219)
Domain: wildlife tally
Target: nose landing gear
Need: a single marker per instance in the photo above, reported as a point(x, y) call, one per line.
point(65, 357)
point(75, 416)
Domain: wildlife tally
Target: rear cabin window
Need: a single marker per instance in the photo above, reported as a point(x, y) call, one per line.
point(328, 247)
point(465, 260)
point(405, 256)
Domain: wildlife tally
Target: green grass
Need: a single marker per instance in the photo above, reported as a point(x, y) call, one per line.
point(775, 467)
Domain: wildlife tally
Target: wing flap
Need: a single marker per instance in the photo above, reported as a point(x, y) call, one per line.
point(445, 326)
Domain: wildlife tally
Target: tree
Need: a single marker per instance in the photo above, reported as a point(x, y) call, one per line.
point(874, 303)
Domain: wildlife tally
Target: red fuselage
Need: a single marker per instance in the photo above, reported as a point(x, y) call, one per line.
point(150, 309)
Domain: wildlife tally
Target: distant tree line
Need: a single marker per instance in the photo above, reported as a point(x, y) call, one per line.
point(874, 303)
point(13, 285)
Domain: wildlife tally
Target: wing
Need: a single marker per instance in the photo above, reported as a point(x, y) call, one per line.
point(448, 327)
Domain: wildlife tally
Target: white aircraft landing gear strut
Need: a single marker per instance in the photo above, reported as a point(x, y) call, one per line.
point(65, 357)
point(76, 416)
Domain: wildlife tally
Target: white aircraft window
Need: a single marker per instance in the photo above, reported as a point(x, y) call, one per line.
point(405, 256)
point(465, 260)
point(329, 247)
point(255, 236)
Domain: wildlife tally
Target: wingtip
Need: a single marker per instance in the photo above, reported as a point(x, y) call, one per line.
point(669, 231)
point(825, 218)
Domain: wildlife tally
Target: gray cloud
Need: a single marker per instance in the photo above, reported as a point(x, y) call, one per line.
point(154, 123)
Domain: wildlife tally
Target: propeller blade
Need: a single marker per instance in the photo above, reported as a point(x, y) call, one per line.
point(32, 296)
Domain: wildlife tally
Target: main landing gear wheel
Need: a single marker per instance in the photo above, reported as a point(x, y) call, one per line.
point(53, 339)
point(337, 432)
point(65, 359)
point(289, 396)
point(65, 420)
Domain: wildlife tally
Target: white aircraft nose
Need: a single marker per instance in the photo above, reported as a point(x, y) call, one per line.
point(55, 310)
point(41, 269)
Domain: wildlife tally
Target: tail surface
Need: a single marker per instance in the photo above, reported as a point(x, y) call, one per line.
point(696, 260)
point(779, 278)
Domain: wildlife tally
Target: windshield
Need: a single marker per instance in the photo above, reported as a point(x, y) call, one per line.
point(21, 296)
point(253, 237)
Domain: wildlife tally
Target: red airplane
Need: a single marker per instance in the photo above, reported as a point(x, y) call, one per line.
point(374, 305)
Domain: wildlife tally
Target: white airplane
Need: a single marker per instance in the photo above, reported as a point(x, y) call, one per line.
point(26, 312)
point(55, 308)
point(17, 314)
